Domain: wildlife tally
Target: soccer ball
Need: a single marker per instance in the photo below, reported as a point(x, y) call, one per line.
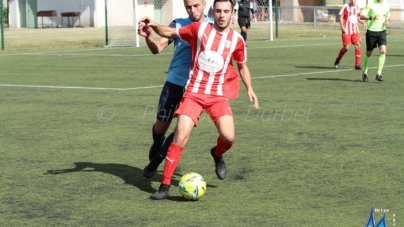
point(192, 186)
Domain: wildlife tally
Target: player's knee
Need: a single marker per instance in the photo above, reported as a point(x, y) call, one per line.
point(228, 138)
point(180, 139)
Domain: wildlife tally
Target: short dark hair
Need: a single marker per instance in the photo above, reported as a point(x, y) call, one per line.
point(231, 1)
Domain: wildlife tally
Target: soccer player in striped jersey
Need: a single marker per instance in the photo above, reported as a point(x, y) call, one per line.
point(212, 80)
point(349, 18)
point(177, 77)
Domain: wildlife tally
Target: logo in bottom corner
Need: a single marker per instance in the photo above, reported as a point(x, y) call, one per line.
point(371, 220)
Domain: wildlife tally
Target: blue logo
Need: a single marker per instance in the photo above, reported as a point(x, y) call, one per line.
point(371, 220)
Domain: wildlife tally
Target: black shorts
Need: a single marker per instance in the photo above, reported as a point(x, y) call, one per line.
point(170, 98)
point(243, 22)
point(375, 39)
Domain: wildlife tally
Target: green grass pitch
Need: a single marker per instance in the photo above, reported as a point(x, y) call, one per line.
point(75, 129)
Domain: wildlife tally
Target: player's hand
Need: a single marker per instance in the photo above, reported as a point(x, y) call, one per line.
point(144, 30)
point(253, 98)
point(365, 26)
point(233, 21)
point(387, 23)
point(377, 16)
point(343, 29)
point(146, 21)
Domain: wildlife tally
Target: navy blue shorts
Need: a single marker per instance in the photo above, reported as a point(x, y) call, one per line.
point(169, 101)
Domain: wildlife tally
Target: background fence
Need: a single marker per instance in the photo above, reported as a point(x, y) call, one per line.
point(94, 23)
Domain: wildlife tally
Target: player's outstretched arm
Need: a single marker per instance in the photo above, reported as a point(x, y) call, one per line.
point(365, 26)
point(155, 46)
point(246, 77)
point(364, 16)
point(161, 30)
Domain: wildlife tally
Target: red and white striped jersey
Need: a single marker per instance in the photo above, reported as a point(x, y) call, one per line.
point(211, 70)
point(350, 15)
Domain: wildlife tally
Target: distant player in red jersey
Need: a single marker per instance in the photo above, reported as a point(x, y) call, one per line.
point(349, 18)
point(213, 80)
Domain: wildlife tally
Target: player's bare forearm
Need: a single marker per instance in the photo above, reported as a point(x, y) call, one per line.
point(146, 32)
point(161, 30)
point(156, 46)
point(364, 17)
point(151, 43)
point(365, 26)
point(367, 17)
point(341, 21)
point(164, 31)
point(246, 77)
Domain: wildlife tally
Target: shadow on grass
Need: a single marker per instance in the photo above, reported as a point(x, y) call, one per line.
point(336, 79)
point(131, 175)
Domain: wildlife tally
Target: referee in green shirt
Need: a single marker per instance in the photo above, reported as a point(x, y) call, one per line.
point(377, 12)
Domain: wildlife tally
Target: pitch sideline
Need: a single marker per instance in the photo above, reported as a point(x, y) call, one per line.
point(159, 86)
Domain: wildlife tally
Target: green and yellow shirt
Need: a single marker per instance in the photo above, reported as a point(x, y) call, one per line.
point(372, 9)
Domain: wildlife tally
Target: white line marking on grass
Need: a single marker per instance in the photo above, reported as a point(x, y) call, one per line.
point(59, 51)
point(106, 55)
point(84, 55)
point(72, 52)
point(159, 86)
point(270, 47)
point(74, 87)
point(322, 72)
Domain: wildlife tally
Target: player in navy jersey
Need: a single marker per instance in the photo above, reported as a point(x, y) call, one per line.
point(177, 77)
point(243, 9)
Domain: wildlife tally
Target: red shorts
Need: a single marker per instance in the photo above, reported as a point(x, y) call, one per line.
point(192, 105)
point(353, 38)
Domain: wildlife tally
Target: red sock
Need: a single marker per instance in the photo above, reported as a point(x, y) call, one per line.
point(358, 54)
point(341, 53)
point(172, 159)
point(221, 147)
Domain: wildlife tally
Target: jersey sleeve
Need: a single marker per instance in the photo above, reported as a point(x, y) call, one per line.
point(173, 24)
point(240, 52)
point(236, 6)
point(252, 8)
point(189, 32)
point(342, 12)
